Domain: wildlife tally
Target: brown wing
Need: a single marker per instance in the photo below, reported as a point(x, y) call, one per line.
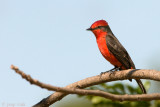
point(116, 48)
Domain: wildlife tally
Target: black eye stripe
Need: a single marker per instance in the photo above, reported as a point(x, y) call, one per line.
point(99, 27)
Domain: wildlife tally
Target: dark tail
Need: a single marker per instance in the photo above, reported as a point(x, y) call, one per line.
point(141, 86)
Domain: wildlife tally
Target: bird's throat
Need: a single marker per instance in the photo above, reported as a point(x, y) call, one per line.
point(100, 35)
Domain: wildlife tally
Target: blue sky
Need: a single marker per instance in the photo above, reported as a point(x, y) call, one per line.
point(49, 41)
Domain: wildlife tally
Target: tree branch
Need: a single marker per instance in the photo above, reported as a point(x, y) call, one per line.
point(72, 88)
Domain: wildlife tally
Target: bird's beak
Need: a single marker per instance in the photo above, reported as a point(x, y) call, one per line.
point(89, 29)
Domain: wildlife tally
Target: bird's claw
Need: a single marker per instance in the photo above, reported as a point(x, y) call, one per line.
point(110, 71)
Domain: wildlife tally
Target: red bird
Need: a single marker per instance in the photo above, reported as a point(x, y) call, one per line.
point(111, 49)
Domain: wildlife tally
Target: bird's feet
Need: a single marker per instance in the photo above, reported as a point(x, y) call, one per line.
point(111, 70)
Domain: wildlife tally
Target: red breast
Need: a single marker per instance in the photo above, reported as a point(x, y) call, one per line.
point(102, 45)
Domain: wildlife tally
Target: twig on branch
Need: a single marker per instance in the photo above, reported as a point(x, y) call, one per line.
point(72, 88)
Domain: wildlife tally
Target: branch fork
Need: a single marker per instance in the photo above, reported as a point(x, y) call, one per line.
point(77, 87)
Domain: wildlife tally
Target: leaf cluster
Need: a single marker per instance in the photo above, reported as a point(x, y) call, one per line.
point(120, 89)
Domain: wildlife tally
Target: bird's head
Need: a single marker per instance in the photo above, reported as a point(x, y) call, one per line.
point(98, 27)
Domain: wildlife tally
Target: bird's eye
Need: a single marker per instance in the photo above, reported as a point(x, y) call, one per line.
point(98, 27)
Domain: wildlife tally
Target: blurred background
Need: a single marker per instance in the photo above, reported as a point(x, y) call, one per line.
point(48, 40)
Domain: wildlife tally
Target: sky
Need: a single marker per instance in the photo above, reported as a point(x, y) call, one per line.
point(48, 40)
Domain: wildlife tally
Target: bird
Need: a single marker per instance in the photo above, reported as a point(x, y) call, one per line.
point(112, 50)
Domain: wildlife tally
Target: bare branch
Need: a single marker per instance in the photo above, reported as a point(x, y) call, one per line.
point(72, 88)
